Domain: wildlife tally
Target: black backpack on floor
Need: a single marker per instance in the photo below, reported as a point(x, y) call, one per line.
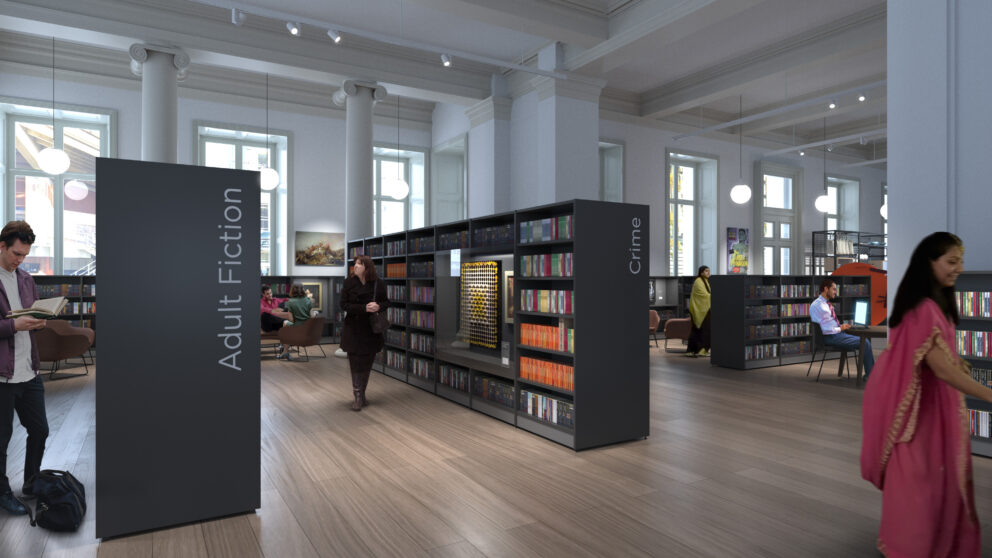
point(61, 501)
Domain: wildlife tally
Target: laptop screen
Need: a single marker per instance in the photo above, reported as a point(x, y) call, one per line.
point(861, 312)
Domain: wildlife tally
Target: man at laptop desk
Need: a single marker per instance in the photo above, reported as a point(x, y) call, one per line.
point(822, 312)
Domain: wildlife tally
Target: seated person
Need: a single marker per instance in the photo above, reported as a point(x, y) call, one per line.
point(822, 312)
point(272, 316)
point(298, 306)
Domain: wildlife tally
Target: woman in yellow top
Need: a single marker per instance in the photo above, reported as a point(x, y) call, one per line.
point(699, 310)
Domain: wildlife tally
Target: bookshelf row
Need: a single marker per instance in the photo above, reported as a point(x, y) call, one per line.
point(974, 333)
point(483, 312)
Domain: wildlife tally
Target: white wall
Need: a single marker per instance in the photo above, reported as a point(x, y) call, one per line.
point(524, 187)
point(449, 122)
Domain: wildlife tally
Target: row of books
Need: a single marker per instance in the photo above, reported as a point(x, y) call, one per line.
point(422, 368)
point(981, 423)
point(544, 230)
point(547, 265)
point(423, 295)
point(555, 338)
point(422, 318)
point(795, 329)
point(422, 244)
point(547, 300)
point(795, 310)
point(81, 323)
point(396, 337)
point(375, 250)
point(395, 359)
point(796, 348)
point(763, 311)
point(973, 304)
point(66, 290)
point(548, 373)
point(396, 270)
point(355, 251)
point(422, 269)
point(488, 237)
point(761, 331)
point(397, 316)
point(796, 291)
point(548, 408)
point(453, 376)
point(982, 376)
point(975, 343)
point(855, 289)
point(452, 240)
point(396, 292)
point(494, 390)
point(88, 307)
point(760, 352)
point(396, 248)
point(760, 291)
point(422, 342)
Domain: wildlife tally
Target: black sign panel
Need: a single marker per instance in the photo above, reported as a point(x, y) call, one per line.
point(178, 421)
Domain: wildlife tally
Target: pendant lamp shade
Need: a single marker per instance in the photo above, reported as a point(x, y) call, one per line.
point(884, 211)
point(741, 193)
point(76, 190)
point(270, 178)
point(53, 160)
point(822, 203)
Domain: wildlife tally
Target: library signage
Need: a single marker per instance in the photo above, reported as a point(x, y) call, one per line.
point(178, 399)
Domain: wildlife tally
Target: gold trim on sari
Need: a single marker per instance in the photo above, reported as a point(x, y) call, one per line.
point(964, 443)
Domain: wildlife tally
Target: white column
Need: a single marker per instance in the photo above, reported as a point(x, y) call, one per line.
point(359, 98)
point(938, 138)
point(489, 156)
point(160, 69)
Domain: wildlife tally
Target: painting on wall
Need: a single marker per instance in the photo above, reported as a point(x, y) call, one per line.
point(313, 290)
point(320, 249)
point(737, 250)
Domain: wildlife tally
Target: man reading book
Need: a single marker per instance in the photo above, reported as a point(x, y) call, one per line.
point(21, 388)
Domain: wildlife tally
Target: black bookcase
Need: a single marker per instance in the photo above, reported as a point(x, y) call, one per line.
point(763, 320)
point(594, 254)
point(973, 294)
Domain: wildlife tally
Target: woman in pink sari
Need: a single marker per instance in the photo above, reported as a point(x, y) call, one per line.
point(917, 446)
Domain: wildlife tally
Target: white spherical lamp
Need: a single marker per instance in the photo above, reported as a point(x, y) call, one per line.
point(822, 203)
point(270, 178)
point(53, 161)
point(395, 188)
point(76, 190)
point(740, 193)
point(884, 211)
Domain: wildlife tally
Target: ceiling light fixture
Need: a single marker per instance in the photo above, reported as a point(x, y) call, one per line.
point(445, 60)
point(396, 187)
point(802, 153)
point(741, 192)
point(53, 160)
point(334, 35)
point(238, 17)
point(833, 104)
point(270, 177)
point(884, 211)
point(76, 190)
point(862, 98)
point(822, 202)
point(293, 28)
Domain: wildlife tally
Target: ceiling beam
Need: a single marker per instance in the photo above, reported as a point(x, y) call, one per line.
point(841, 140)
point(732, 78)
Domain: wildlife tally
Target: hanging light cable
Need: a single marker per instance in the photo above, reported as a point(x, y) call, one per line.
point(270, 177)
point(397, 187)
point(53, 160)
point(822, 202)
point(741, 192)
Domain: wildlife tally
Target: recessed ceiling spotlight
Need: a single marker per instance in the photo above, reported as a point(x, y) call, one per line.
point(334, 35)
point(293, 28)
point(832, 105)
point(862, 98)
point(863, 140)
point(802, 153)
point(445, 60)
point(830, 147)
point(238, 17)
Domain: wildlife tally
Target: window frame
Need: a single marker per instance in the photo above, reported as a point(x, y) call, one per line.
point(671, 250)
point(778, 216)
point(604, 145)
point(378, 198)
point(9, 116)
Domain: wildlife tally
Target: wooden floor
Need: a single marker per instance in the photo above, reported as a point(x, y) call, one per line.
point(759, 463)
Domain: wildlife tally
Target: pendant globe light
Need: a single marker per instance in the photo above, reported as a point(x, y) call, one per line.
point(270, 178)
point(396, 187)
point(822, 202)
point(741, 192)
point(53, 160)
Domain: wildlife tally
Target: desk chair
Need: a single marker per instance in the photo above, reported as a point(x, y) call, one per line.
point(654, 320)
point(819, 344)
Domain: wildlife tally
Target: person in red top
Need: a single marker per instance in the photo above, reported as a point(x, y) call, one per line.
point(272, 316)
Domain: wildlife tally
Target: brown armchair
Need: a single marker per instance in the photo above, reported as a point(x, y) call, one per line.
point(677, 328)
point(60, 340)
point(654, 320)
point(304, 335)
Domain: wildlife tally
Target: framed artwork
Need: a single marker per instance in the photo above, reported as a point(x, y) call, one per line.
point(314, 292)
point(738, 247)
point(320, 249)
point(508, 296)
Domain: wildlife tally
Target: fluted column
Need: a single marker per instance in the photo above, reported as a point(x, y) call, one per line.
point(160, 68)
point(359, 98)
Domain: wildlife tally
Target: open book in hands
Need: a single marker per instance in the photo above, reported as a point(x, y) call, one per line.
point(43, 309)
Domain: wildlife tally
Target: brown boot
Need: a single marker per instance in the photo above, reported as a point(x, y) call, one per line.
point(363, 380)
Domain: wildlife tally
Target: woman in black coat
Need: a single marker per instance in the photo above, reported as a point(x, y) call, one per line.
point(361, 295)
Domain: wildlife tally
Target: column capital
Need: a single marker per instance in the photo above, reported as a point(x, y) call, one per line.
point(493, 108)
point(575, 87)
point(351, 87)
point(139, 55)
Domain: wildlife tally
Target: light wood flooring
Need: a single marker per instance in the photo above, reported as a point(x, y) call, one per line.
point(758, 463)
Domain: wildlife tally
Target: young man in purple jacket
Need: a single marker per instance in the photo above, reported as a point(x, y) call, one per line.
point(21, 388)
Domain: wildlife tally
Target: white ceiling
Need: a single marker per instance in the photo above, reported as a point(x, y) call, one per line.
point(681, 63)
